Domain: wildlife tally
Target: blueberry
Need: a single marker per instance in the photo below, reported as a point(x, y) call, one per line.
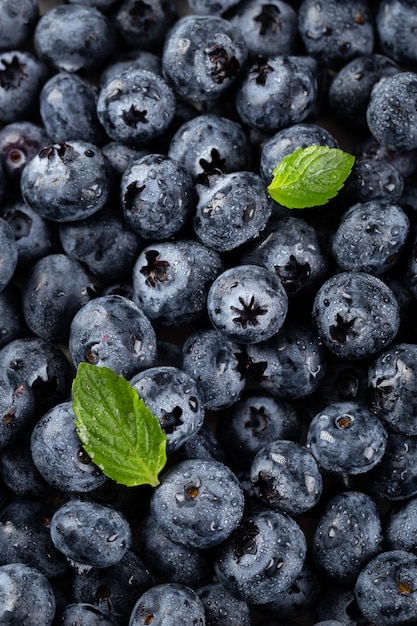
point(221, 607)
point(395, 477)
point(18, 471)
point(139, 59)
point(210, 63)
point(90, 534)
point(356, 314)
point(9, 254)
point(198, 503)
point(404, 162)
point(21, 78)
point(174, 397)
point(384, 589)
point(275, 92)
point(84, 613)
point(338, 603)
point(391, 111)
point(12, 323)
point(26, 596)
point(395, 22)
point(169, 604)
point(18, 19)
point(399, 527)
point(208, 7)
point(17, 407)
point(121, 156)
point(58, 454)
point(19, 143)
point(347, 438)
point(202, 445)
point(144, 24)
point(373, 180)
point(262, 558)
point(66, 181)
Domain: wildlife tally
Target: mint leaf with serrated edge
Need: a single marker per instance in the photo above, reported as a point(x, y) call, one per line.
point(119, 433)
point(310, 176)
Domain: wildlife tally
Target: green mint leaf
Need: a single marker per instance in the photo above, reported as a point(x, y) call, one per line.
point(117, 430)
point(310, 176)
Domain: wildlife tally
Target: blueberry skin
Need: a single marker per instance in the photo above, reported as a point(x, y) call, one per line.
point(351, 88)
point(345, 437)
point(58, 454)
point(356, 315)
point(26, 596)
point(174, 397)
point(19, 143)
point(395, 477)
point(268, 29)
point(210, 63)
point(339, 604)
point(173, 562)
point(252, 422)
point(17, 407)
point(286, 477)
point(247, 303)
point(232, 210)
point(217, 364)
point(198, 503)
point(25, 538)
point(139, 59)
point(67, 181)
point(262, 558)
point(103, 243)
point(18, 471)
point(405, 162)
point(115, 588)
point(135, 106)
point(90, 534)
point(171, 280)
point(286, 140)
point(348, 535)
point(168, 604)
point(395, 23)
point(392, 386)
point(21, 78)
point(336, 31)
point(221, 607)
point(399, 527)
point(86, 614)
point(68, 109)
point(74, 38)
point(121, 156)
point(113, 331)
point(384, 587)
point(208, 7)
point(9, 254)
point(276, 92)
point(157, 197)
point(12, 323)
point(370, 237)
point(55, 289)
point(18, 20)
point(391, 111)
point(290, 365)
point(144, 25)
point(373, 180)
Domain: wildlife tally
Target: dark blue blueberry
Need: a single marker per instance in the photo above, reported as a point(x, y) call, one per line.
point(74, 37)
point(121, 156)
point(269, 28)
point(286, 477)
point(103, 243)
point(90, 534)
point(17, 407)
point(21, 78)
point(157, 197)
point(101, 5)
point(203, 56)
point(345, 437)
point(221, 607)
point(168, 604)
point(171, 280)
point(203, 445)
point(392, 380)
point(135, 106)
point(290, 365)
point(208, 145)
point(336, 31)
point(404, 162)
point(66, 181)
point(385, 588)
point(351, 88)
point(25, 538)
point(370, 237)
point(8, 254)
point(411, 267)
point(114, 589)
point(396, 21)
point(247, 303)
point(286, 140)
point(18, 19)
point(231, 210)
point(211, 7)
point(58, 453)
point(55, 288)
point(174, 397)
point(143, 24)
point(12, 322)
point(395, 477)
point(198, 503)
point(217, 364)
point(391, 113)
point(19, 143)
point(400, 527)
point(275, 92)
point(371, 179)
point(356, 314)
point(347, 536)
point(26, 596)
point(68, 109)
point(133, 59)
point(262, 558)
point(85, 614)
point(18, 471)
point(173, 562)
point(338, 604)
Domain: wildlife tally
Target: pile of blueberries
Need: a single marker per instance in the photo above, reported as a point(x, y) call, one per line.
point(277, 347)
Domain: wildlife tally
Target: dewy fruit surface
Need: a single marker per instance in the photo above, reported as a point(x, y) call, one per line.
point(250, 370)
